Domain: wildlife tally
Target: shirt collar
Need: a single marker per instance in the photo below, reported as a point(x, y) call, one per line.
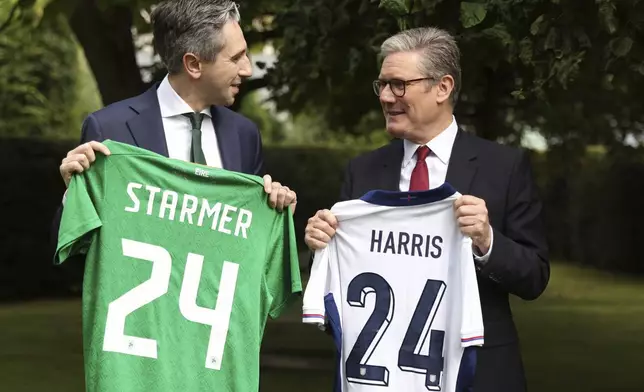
point(441, 145)
point(171, 104)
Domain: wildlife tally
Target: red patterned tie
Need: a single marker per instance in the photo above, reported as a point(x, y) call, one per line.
point(420, 175)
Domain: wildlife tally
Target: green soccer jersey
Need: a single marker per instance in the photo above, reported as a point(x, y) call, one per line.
point(183, 265)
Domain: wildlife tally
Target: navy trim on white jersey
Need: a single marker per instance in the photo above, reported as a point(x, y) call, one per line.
point(465, 379)
point(413, 198)
point(333, 317)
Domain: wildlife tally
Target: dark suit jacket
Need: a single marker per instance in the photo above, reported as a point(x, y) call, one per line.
point(518, 263)
point(137, 121)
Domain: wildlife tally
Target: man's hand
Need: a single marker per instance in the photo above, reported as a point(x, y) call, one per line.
point(279, 196)
point(320, 229)
point(80, 158)
point(473, 221)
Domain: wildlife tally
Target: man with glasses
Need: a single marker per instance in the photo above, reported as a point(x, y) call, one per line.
point(418, 85)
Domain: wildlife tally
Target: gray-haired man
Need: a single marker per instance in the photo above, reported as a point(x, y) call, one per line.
point(500, 210)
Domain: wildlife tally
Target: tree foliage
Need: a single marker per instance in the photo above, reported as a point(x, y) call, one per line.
point(38, 68)
point(272, 128)
point(572, 68)
point(328, 58)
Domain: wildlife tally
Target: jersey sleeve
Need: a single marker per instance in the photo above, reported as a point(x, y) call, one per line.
point(283, 267)
point(313, 309)
point(79, 218)
point(472, 333)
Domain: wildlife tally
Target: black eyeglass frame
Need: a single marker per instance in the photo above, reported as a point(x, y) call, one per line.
point(402, 84)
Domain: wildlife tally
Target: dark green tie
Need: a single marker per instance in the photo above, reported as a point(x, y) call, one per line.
point(196, 152)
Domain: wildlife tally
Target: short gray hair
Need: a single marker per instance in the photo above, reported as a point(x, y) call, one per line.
point(190, 26)
point(439, 53)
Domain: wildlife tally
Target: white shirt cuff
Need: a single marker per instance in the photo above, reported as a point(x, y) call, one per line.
point(64, 197)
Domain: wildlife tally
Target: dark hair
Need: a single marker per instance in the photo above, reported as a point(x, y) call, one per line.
point(190, 26)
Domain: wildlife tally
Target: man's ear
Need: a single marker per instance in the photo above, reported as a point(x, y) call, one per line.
point(192, 65)
point(445, 86)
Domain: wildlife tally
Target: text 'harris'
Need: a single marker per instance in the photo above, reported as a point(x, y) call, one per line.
point(408, 244)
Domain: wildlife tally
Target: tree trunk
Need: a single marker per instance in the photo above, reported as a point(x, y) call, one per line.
point(106, 38)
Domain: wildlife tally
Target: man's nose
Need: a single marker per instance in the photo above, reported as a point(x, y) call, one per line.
point(386, 96)
point(246, 68)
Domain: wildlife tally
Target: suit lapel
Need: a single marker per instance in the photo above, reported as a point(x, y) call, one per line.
point(227, 139)
point(147, 127)
point(393, 156)
point(462, 163)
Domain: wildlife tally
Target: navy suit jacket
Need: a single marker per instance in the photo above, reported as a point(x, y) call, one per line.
point(137, 121)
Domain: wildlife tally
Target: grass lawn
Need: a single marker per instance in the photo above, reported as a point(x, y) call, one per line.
point(584, 334)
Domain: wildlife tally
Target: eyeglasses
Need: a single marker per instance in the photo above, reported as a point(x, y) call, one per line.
point(397, 86)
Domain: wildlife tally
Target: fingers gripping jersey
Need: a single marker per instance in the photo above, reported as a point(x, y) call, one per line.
point(183, 265)
point(398, 289)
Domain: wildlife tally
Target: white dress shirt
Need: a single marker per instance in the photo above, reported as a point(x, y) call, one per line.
point(178, 130)
point(437, 162)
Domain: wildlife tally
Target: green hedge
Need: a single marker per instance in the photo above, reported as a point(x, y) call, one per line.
point(315, 173)
point(591, 211)
point(32, 189)
point(590, 206)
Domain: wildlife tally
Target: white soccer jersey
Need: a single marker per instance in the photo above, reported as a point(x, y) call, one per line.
point(398, 289)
